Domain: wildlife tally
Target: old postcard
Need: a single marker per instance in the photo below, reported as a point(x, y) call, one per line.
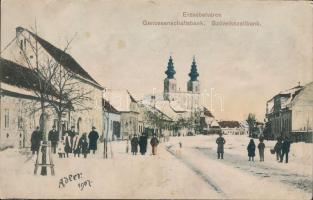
point(156, 99)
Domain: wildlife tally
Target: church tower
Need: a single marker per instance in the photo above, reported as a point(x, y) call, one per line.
point(193, 84)
point(169, 81)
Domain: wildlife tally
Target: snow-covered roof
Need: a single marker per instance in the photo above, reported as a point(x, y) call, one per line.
point(119, 99)
point(177, 107)
point(65, 59)
point(286, 98)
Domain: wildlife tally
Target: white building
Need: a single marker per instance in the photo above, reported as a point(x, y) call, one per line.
point(232, 128)
point(82, 119)
point(290, 113)
point(18, 118)
point(112, 122)
point(127, 106)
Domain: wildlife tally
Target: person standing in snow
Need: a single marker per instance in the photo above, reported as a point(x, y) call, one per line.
point(61, 151)
point(35, 140)
point(154, 143)
point(220, 141)
point(67, 144)
point(53, 137)
point(143, 141)
point(285, 150)
point(93, 139)
point(76, 146)
point(251, 150)
point(84, 145)
point(261, 147)
point(134, 144)
point(277, 149)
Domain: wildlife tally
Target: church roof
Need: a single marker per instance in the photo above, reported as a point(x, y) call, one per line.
point(170, 72)
point(65, 59)
point(193, 72)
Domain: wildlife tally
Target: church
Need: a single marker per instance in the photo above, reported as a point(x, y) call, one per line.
point(190, 99)
point(176, 103)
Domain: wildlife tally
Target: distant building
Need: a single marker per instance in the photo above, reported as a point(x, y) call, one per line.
point(112, 121)
point(232, 128)
point(290, 113)
point(189, 99)
point(208, 123)
point(127, 106)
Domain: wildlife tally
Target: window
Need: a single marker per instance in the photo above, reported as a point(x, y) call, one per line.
point(20, 122)
point(6, 118)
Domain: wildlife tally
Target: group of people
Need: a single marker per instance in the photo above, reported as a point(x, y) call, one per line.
point(281, 148)
point(251, 149)
point(70, 142)
point(142, 142)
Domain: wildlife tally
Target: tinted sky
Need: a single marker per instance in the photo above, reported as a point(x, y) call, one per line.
point(244, 65)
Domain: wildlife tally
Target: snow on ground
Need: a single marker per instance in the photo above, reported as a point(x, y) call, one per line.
point(124, 176)
point(192, 171)
point(236, 177)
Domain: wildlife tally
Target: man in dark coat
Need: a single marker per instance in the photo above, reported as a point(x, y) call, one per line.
point(277, 149)
point(71, 132)
point(251, 150)
point(93, 139)
point(53, 137)
point(261, 147)
point(154, 143)
point(143, 141)
point(84, 145)
point(134, 144)
point(35, 139)
point(285, 150)
point(220, 141)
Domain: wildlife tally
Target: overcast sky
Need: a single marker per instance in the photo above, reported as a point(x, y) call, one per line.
point(244, 65)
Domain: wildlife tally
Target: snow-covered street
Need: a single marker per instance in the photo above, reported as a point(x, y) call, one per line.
point(192, 171)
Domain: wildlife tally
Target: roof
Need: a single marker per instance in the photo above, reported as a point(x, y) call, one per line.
point(14, 74)
point(229, 124)
point(61, 56)
point(120, 99)
point(108, 107)
point(286, 97)
point(207, 113)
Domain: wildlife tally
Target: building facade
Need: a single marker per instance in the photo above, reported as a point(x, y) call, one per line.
point(231, 128)
point(29, 49)
point(290, 114)
point(18, 105)
point(112, 122)
point(127, 106)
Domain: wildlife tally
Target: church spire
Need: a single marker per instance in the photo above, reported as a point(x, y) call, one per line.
point(193, 72)
point(170, 72)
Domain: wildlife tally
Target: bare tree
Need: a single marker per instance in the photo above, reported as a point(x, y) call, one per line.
point(54, 86)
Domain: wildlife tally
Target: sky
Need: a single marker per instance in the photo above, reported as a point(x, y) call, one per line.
point(243, 66)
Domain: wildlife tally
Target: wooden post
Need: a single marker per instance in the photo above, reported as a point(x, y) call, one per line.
point(43, 163)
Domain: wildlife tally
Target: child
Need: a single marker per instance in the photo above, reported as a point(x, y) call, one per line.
point(251, 150)
point(61, 151)
point(261, 148)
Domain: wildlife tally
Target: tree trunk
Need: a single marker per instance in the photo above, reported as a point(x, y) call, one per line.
point(60, 126)
point(43, 128)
